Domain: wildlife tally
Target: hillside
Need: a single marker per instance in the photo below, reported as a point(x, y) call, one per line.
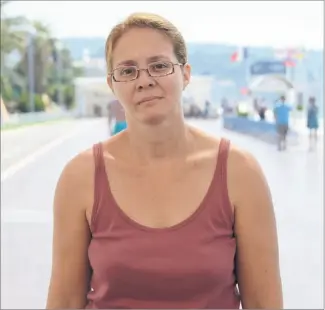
point(214, 60)
point(205, 58)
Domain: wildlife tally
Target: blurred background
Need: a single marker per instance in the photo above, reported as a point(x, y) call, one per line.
point(244, 56)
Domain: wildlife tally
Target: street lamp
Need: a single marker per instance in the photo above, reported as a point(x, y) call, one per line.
point(59, 48)
point(30, 31)
point(31, 66)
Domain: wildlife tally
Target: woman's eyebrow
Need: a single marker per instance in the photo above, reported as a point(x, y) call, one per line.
point(130, 62)
point(157, 57)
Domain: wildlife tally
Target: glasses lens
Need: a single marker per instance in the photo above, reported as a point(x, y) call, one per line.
point(160, 68)
point(125, 73)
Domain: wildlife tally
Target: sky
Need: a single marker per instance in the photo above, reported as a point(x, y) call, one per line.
point(279, 24)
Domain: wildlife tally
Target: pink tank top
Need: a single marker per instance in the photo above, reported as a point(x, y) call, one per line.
point(189, 265)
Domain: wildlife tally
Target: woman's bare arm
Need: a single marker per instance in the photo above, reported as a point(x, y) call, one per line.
point(71, 236)
point(255, 229)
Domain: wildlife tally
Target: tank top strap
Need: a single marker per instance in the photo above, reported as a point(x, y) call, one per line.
point(220, 181)
point(222, 159)
point(100, 182)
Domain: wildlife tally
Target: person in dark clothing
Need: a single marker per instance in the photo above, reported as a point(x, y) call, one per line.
point(312, 122)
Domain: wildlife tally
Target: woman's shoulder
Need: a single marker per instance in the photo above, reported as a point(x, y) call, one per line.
point(238, 155)
point(243, 169)
point(74, 189)
point(78, 171)
point(246, 176)
point(81, 162)
point(240, 162)
point(205, 143)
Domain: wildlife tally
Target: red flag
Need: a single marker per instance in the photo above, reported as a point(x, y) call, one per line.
point(290, 63)
point(234, 57)
point(244, 91)
point(240, 55)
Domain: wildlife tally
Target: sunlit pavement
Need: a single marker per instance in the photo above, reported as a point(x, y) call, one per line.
point(295, 178)
point(20, 142)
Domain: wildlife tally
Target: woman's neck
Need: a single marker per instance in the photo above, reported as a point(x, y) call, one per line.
point(151, 143)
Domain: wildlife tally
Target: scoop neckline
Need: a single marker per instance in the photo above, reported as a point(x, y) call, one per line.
point(186, 221)
point(201, 207)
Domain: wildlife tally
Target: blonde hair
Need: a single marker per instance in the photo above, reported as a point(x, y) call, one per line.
point(146, 20)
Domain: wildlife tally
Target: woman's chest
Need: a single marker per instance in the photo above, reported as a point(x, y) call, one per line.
point(161, 197)
point(163, 263)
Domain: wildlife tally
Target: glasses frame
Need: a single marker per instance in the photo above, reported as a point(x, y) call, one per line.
point(145, 69)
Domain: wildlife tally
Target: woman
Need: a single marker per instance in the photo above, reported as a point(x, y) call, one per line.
point(312, 121)
point(159, 215)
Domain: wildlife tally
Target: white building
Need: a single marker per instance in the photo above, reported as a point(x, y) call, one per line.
point(199, 90)
point(92, 95)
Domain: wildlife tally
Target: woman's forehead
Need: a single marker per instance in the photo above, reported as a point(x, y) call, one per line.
point(142, 45)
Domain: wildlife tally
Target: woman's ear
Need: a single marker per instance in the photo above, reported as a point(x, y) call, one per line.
point(109, 82)
point(186, 75)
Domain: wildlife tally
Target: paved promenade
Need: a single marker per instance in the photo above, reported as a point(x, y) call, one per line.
point(31, 165)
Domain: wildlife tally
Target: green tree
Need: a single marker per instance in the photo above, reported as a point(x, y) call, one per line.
point(42, 55)
point(13, 38)
point(47, 77)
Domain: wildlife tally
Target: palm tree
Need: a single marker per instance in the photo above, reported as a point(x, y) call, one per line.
point(15, 37)
point(13, 33)
point(42, 54)
point(12, 39)
point(43, 48)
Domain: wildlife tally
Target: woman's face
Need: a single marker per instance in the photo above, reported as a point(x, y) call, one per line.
point(143, 47)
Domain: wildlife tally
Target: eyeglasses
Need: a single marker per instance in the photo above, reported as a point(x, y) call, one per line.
point(155, 69)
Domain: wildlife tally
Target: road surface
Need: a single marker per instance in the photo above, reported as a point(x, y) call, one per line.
point(31, 167)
